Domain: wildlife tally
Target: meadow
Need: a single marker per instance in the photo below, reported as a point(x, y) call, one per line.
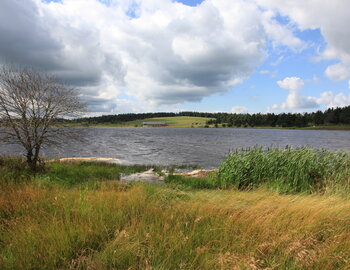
point(178, 121)
point(245, 216)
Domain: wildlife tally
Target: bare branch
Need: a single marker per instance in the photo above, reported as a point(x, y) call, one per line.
point(30, 102)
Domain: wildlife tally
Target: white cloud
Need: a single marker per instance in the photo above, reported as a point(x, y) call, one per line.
point(291, 84)
point(338, 72)
point(165, 53)
point(239, 109)
point(295, 100)
point(272, 73)
point(281, 34)
point(331, 17)
point(333, 101)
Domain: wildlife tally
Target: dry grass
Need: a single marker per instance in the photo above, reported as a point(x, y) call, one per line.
point(144, 227)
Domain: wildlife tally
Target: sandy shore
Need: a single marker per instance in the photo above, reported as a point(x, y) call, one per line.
point(90, 159)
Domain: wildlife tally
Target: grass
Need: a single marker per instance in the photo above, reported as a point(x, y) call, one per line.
point(67, 174)
point(145, 227)
point(325, 127)
point(287, 170)
point(76, 216)
point(329, 127)
point(77, 173)
point(189, 183)
point(178, 121)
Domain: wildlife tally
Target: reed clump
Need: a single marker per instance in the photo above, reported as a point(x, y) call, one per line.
point(287, 170)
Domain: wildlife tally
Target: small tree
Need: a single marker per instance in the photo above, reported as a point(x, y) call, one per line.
point(30, 103)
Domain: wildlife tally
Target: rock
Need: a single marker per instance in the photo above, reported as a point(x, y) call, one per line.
point(165, 172)
point(153, 178)
point(150, 177)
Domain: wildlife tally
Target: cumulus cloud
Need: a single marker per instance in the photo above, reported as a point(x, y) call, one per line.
point(338, 72)
point(24, 36)
point(281, 34)
point(156, 51)
point(161, 52)
point(295, 100)
point(332, 101)
point(239, 109)
point(330, 17)
point(292, 84)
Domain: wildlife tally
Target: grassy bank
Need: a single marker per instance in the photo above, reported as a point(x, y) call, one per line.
point(77, 216)
point(329, 127)
point(287, 170)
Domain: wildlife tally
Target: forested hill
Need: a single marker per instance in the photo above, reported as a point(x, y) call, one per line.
point(333, 116)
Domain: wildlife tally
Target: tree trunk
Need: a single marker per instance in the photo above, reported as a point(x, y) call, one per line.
point(32, 163)
point(36, 156)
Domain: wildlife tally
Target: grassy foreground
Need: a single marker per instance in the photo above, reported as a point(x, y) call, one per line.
point(75, 216)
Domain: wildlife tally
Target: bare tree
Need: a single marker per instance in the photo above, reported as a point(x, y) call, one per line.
point(30, 104)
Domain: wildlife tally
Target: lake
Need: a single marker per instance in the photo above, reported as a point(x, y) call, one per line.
point(183, 146)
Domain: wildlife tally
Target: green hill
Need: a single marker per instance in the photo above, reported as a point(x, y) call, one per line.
point(177, 121)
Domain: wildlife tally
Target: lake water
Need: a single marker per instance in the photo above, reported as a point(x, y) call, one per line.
point(184, 146)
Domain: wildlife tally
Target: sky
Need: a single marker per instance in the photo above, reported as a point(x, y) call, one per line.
point(133, 56)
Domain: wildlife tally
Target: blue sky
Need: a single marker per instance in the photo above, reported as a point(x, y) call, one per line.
point(163, 55)
point(260, 88)
point(190, 2)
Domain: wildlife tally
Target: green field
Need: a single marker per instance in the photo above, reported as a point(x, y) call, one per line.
point(178, 121)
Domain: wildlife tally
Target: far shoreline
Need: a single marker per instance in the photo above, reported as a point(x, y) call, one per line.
point(334, 128)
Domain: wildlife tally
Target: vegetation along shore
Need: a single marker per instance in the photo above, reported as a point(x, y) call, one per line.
point(262, 209)
point(331, 119)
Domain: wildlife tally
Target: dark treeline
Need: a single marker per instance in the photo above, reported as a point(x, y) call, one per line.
point(333, 116)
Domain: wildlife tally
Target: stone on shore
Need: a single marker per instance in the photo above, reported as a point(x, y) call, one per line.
point(153, 178)
point(150, 177)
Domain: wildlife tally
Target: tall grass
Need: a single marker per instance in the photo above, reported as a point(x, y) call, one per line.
point(287, 170)
point(44, 225)
point(146, 227)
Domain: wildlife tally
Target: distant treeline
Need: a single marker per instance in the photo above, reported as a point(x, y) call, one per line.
point(333, 116)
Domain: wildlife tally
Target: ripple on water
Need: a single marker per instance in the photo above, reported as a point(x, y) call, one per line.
point(169, 146)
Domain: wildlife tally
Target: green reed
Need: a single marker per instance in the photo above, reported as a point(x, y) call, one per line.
point(287, 170)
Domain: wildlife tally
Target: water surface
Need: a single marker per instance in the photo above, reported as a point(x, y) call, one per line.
point(183, 146)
